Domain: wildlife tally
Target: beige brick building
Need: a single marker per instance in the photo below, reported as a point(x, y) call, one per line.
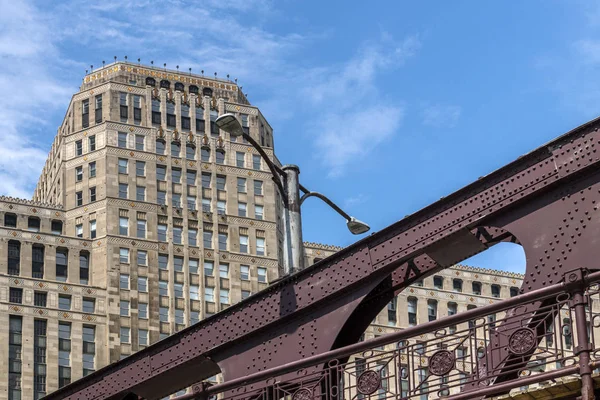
point(147, 219)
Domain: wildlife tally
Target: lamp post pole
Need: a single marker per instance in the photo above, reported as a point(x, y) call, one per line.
point(287, 181)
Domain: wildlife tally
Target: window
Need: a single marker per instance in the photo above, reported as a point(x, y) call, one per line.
point(123, 165)
point(245, 272)
point(88, 305)
point(224, 296)
point(142, 284)
point(192, 237)
point(93, 193)
point(245, 294)
point(143, 310)
point(243, 244)
point(64, 302)
point(64, 353)
point(175, 149)
point(162, 232)
point(124, 281)
point(123, 106)
point(78, 148)
point(177, 235)
point(93, 229)
point(260, 246)
point(242, 209)
point(208, 268)
point(122, 140)
point(142, 257)
point(10, 220)
point(209, 294)
point(495, 291)
point(89, 349)
point(191, 203)
point(258, 188)
point(39, 350)
point(207, 239)
point(220, 157)
point(258, 212)
point(143, 337)
point(160, 146)
point(14, 257)
point(178, 290)
point(161, 172)
point(213, 126)
point(37, 261)
point(471, 322)
point(224, 271)
point(163, 261)
point(194, 290)
point(194, 317)
point(123, 226)
point(141, 229)
point(206, 205)
point(476, 287)
point(125, 335)
point(123, 189)
point(256, 160)
point(176, 175)
point(221, 182)
point(241, 185)
point(193, 265)
point(98, 108)
point(61, 264)
point(163, 288)
point(156, 111)
point(178, 263)
point(205, 180)
point(15, 343)
point(262, 274)
point(140, 193)
point(221, 207)
point(124, 308)
point(137, 109)
point(56, 227)
point(40, 299)
point(392, 306)
point(514, 291)
point(452, 308)
point(205, 154)
point(170, 114)
point(84, 267)
point(245, 126)
point(199, 119)
point(432, 310)
point(78, 174)
point(161, 197)
point(92, 169)
point(15, 295)
point(140, 168)
point(240, 159)
point(139, 142)
point(163, 314)
point(190, 152)
point(85, 113)
point(190, 177)
point(438, 282)
point(457, 285)
point(124, 255)
point(412, 311)
point(79, 198)
point(179, 317)
point(185, 116)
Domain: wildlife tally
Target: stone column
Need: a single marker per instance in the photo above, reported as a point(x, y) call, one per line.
point(26, 259)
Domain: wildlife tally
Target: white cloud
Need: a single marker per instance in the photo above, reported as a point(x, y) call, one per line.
point(440, 116)
point(356, 200)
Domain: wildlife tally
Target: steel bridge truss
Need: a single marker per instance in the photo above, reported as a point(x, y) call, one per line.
point(547, 201)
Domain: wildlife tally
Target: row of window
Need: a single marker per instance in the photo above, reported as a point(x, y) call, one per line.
point(207, 239)
point(38, 262)
point(40, 299)
point(457, 286)
point(33, 223)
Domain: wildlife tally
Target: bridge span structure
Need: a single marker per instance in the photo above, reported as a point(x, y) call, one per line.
point(299, 338)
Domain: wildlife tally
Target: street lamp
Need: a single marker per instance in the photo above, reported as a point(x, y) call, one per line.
point(286, 180)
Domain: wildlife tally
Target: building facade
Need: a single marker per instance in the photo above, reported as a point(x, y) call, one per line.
point(146, 219)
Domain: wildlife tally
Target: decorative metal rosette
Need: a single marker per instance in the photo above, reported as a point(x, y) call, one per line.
point(368, 382)
point(302, 394)
point(441, 362)
point(522, 341)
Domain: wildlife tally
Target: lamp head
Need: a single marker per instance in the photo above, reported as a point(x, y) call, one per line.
point(230, 124)
point(357, 227)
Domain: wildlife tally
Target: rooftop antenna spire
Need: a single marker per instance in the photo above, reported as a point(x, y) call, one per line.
point(228, 77)
point(190, 70)
point(125, 58)
point(102, 63)
point(202, 72)
point(177, 66)
point(139, 59)
point(165, 65)
point(115, 58)
point(152, 62)
point(92, 68)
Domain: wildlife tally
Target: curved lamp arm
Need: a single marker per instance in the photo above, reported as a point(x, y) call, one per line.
point(326, 200)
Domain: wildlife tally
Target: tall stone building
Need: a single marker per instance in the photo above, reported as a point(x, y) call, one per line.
point(146, 219)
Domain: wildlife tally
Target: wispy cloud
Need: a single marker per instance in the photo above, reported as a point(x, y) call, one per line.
point(440, 116)
point(356, 200)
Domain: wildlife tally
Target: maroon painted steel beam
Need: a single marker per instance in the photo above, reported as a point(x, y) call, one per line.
point(307, 312)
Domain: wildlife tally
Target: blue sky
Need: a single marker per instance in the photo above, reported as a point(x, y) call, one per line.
point(385, 105)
